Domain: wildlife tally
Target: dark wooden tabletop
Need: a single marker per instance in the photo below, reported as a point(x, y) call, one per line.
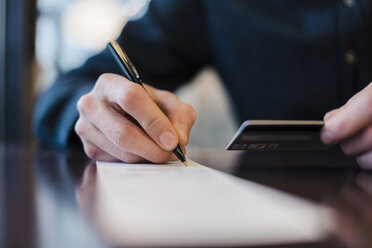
point(41, 203)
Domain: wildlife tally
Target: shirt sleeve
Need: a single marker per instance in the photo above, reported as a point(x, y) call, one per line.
point(167, 46)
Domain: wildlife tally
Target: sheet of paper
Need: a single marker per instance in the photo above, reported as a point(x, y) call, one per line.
point(171, 204)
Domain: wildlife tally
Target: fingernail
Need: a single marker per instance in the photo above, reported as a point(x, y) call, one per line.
point(327, 137)
point(168, 140)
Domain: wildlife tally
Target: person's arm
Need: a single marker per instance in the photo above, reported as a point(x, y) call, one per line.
point(55, 112)
point(167, 45)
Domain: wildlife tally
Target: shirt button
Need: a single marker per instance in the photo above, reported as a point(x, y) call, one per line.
point(350, 57)
point(349, 3)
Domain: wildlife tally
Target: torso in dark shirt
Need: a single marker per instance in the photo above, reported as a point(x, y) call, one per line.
point(286, 59)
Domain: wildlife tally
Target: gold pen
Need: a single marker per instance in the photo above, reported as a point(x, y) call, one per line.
point(131, 73)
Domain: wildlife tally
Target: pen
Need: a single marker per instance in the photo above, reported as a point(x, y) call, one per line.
point(131, 73)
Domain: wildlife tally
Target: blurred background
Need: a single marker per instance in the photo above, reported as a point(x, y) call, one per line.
point(40, 39)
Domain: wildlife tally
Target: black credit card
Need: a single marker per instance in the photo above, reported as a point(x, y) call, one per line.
point(278, 135)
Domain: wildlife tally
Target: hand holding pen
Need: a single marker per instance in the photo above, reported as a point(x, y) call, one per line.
point(119, 120)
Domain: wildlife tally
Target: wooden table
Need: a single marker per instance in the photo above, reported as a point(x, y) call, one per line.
point(41, 203)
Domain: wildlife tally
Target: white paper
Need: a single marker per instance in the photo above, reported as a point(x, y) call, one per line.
point(171, 204)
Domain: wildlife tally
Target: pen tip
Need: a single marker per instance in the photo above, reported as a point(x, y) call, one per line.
point(185, 163)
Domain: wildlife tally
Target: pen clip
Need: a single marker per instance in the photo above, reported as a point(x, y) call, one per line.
point(124, 61)
point(129, 63)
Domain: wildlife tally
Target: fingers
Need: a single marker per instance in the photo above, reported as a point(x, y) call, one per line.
point(354, 116)
point(135, 101)
point(359, 143)
point(351, 126)
point(96, 153)
point(119, 120)
point(103, 149)
point(181, 115)
point(121, 132)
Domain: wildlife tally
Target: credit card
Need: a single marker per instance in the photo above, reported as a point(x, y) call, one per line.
point(278, 135)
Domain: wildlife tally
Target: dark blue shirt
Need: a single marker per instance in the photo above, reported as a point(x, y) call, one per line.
point(286, 59)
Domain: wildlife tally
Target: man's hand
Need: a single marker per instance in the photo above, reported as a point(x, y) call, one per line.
point(351, 126)
point(120, 121)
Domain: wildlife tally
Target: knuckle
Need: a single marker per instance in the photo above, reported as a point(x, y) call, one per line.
point(120, 135)
point(103, 79)
point(85, 104)
point(167, 94)
point(92, 152)
point(191, 111)
point(152, 124)
point(105, 82)
point(130, 94)
point(160, 157)
point(80, 128)
point(185, 109)
point(130, 158)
